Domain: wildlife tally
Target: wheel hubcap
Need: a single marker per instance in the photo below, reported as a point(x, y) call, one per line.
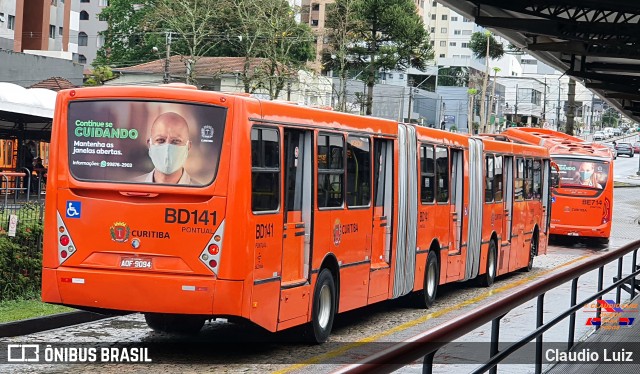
point(325, 306)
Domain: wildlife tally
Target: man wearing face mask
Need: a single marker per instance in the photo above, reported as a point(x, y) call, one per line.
point(169, 147)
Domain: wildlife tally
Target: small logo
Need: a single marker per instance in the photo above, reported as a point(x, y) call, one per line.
point(23, 353)
point(120, 232)
point(337, 232)
point(135, 243)
point(103, 164)
point(74, 209)
point(612, 314)
point(207, 132)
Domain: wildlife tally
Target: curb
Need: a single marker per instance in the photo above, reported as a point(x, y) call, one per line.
point(50, 322)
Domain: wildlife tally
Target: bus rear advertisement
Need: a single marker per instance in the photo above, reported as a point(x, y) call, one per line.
point(187, 205)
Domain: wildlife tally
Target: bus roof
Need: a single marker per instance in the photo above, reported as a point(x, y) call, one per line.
point(557, 142)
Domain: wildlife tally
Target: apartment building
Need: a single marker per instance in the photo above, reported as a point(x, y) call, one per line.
point(41, 27)
point(89, 38)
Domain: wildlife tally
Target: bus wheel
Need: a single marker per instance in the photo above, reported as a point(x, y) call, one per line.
point(324, 307)
point(532, 251)
point(427, 296)
point(174, 323)
point(489, 276)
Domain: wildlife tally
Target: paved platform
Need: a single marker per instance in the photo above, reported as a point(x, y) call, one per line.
point(618, 350)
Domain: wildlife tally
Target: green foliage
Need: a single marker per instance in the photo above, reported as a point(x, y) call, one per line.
point(99, 75)
point(128, 40)
point(21, 256)
point(478, 46)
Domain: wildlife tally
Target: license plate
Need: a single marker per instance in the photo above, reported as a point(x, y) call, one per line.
point(135, 263)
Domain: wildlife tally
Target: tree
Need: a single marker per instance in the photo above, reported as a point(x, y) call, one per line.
point(391, 36)
point(127, 40)
point(244, 38)
point(196, 23)
point(341, 21)
point(485, 46)
point(99, 75)
point(287, 44)
point(478, 45)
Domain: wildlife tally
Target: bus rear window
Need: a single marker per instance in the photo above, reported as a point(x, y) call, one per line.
point(589, 174)
point(126, 141)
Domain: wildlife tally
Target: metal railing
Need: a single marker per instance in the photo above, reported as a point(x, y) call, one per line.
point(429, 342)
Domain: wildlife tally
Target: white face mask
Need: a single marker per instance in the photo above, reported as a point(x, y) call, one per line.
point(168, 158)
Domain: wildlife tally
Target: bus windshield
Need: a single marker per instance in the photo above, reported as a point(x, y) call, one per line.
point(148, 142)
point(583, 173)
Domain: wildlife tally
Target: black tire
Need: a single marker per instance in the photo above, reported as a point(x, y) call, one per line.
point(323, 309)
point(175, 323)
point(426, 296)
point(489, 275)
point(533, 251)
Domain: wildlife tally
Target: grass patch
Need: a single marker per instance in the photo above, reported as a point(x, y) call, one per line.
point(16, 310)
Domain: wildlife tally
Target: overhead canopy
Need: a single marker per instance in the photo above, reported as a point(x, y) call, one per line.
point(595, 41)
point(26, 112)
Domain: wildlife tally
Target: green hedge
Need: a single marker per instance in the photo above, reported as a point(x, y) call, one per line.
point(21, 256)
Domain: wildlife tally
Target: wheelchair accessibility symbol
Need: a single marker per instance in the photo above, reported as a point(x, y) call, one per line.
point(74, 209)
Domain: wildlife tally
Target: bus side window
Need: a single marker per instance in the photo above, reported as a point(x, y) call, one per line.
point(358, 171)
point(427, 174)
point(442, 174)
point(265, 169)
point(528, 183)
point(330, 171)
point(489, 177)
point(537, 179)
point(519, 185)
point(498, 179)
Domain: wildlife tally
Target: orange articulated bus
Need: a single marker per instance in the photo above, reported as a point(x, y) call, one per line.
point(583, 197)
point(187, 205)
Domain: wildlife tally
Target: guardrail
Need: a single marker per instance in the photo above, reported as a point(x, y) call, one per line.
point(429, 342)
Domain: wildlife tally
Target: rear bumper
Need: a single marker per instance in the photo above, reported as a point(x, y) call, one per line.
point(602, 231)
point(141, 292)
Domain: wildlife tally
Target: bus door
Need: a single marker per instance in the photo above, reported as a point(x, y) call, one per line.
point(296, 242)
point(457, 216)
point(498, 215)
point(505, 246)
point(382, 217)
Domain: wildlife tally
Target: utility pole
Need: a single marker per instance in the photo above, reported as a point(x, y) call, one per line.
point(592, 110)
point(483, 109)
point(515, 115)
point(544, 103)
point(571, 100)
point(410, 82)
point(167, 58)
point(558, 108)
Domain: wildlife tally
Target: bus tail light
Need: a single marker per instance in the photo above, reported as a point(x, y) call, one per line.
point(66, 248)
point(210, 255)
point(606, 211)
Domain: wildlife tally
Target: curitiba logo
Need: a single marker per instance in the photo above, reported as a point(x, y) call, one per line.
point(337, 232)
point(120, 232)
